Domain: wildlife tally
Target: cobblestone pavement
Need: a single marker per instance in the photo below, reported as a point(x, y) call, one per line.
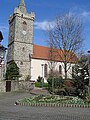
point(9, 111)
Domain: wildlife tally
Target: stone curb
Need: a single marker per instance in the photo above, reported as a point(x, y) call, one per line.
point(52, 105)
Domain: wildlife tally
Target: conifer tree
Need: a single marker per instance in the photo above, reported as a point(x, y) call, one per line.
point(12, 71)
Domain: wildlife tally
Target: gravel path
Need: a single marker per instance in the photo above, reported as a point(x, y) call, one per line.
point(9, 111)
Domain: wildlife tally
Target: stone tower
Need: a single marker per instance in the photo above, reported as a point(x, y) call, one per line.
point(20, 41)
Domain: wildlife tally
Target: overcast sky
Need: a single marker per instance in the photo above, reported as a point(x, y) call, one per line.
point(46, 11)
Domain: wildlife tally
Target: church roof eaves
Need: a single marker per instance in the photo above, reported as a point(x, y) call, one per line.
point(43, 53)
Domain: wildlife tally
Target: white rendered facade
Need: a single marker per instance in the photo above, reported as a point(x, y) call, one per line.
point(38, 70)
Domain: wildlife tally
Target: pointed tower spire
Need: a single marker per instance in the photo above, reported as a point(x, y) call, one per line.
point(22, 3)
point(22, 6)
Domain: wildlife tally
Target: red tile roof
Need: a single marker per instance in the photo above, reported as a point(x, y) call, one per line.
point(44, 53)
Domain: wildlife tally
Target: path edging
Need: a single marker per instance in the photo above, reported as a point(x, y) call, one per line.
point(51, 105)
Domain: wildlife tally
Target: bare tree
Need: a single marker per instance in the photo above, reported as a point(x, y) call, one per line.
point(65, 39)
point(52, 61)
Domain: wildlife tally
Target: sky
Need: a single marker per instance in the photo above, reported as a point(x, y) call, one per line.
point(45, 12)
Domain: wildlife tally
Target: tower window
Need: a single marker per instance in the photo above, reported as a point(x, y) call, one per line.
point(24, 26)
point(23, 49)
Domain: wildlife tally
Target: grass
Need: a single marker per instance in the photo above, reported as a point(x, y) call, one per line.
point(54, 99)
point(39, 84)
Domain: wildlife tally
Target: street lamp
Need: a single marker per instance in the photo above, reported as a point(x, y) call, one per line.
point(89, 71)
point(2, 52)
point(42, 75)
point(2, 49)
point(1, 36)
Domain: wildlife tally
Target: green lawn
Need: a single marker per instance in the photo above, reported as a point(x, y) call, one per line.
point(39, 84)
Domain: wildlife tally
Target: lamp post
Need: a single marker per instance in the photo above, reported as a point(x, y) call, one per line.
point(30, 57)
point(42, 75)
point(89, 71)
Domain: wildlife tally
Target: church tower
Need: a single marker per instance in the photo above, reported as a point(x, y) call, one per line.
point(20, 41)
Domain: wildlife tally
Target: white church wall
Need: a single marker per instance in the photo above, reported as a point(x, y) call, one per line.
point(38, 70)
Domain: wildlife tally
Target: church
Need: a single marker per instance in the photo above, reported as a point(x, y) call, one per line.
point(33, 60)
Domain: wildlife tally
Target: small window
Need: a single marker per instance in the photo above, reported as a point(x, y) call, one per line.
point(24, 23)
point(23, 49)
point(24, 26)
point(60, 69)
point(21, 63)
point(22, 15)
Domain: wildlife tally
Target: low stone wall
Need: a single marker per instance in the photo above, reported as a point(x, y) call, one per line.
point(17, 85)
point(14, 85)
point(2, 86)
point(26, 85)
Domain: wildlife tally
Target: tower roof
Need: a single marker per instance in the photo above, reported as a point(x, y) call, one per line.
point(22, 6)
point(22, 3)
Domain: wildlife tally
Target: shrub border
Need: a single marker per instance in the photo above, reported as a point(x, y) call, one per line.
point(51, 105)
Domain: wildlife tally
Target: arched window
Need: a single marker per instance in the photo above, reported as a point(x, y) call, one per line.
point(45, 70)
point(24, 26)
point(73, 71)
point(60, 69)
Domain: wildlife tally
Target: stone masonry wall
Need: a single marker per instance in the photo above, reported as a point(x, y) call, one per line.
point(2, 86)
point(17, 85)
point(21, 39)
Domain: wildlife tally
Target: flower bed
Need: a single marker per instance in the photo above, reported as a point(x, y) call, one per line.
point(53, 100)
